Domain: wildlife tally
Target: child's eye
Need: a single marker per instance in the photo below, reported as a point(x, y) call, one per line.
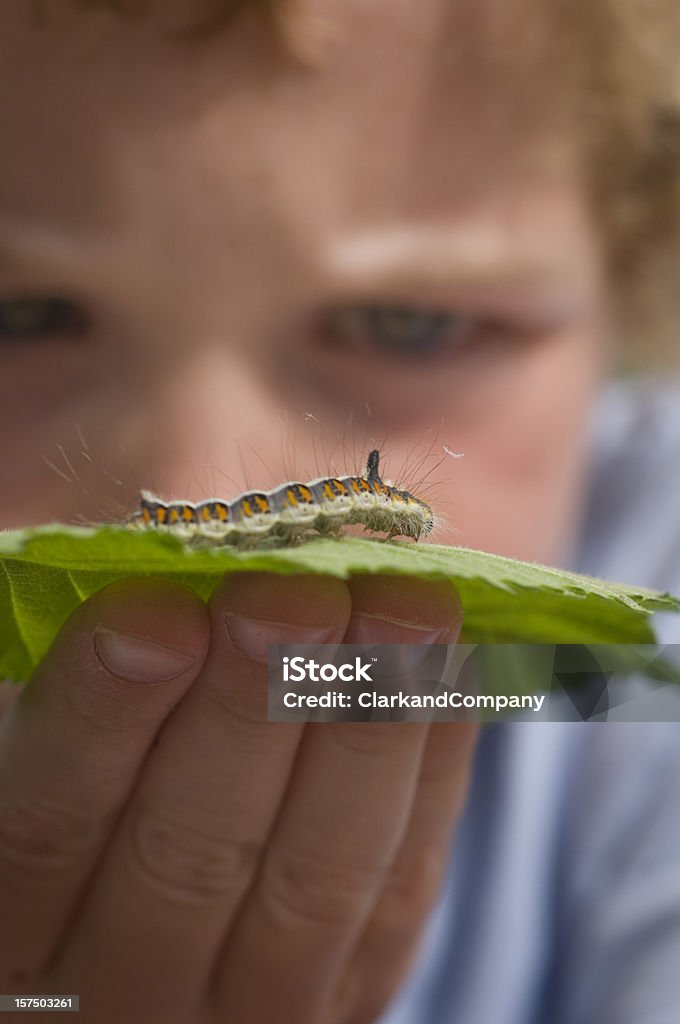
point(396, 330)
point(29, 318)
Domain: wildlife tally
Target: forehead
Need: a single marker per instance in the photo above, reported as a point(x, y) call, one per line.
point(401, 105)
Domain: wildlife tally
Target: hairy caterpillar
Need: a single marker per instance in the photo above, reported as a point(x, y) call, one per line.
point(291, 510)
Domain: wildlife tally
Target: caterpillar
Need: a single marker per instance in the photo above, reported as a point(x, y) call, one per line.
point(287, 513)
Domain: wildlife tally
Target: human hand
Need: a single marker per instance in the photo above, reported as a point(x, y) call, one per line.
point(171, 856)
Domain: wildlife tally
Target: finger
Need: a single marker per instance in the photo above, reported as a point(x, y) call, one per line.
point(9, 692)
point(71, 747)
point(343, 819)
point(392, 933)
point(391, 937)
point(189, 843)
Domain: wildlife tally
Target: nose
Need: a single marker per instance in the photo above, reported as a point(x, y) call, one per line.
point(223, 430)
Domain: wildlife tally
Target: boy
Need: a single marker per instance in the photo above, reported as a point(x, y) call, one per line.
point(386, 210)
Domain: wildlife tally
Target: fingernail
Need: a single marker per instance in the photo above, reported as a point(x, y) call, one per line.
point(253, 636)
point(408, 646)
point(377, 629)
point(137, 660)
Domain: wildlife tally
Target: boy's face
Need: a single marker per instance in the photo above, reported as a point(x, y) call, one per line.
point(236, 230)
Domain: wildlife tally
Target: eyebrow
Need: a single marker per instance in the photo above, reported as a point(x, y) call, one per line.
point(30, 244)
point(480, 262)
point(457, 257)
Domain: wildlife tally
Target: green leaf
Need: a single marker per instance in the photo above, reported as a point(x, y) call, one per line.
point(46, 572)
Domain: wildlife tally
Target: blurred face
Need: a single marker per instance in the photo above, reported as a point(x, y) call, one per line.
point(208, 240)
